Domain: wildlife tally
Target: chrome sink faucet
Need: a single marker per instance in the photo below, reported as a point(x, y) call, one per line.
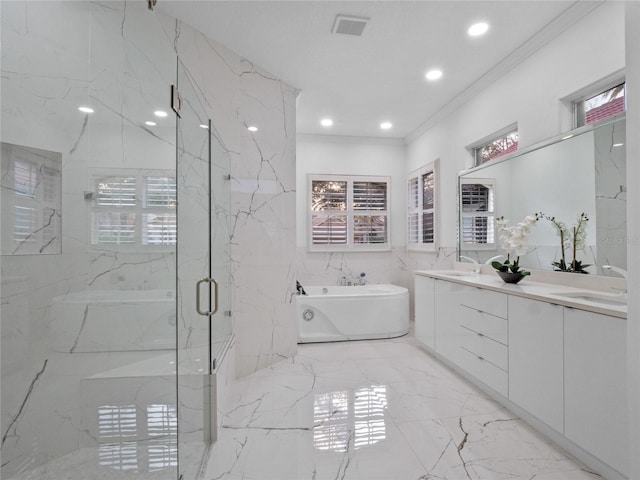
point(620, 271)
point(494, 259)
point(476, 265)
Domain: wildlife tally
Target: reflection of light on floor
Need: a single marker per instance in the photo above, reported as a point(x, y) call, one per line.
point(340, 415)
point(127, 444)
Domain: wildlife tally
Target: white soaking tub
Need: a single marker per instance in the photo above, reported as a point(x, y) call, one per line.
point(333, 313)
point(114, 320)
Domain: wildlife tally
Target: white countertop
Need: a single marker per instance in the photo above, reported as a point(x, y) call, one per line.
point(527, 288)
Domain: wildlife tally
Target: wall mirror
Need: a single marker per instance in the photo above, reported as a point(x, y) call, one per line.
point(580, 172)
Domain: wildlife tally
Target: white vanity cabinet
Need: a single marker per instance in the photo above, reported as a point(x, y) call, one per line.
point(536, 381)
point(561, 368)
point(471, 331)
point(448, 314)
point(425, 326)
point(483, 330)
point(595, 385)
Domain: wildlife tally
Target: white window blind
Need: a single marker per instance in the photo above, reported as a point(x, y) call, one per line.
point(421, 208)
point(138, 209)
point(477, 210)
point(348, 212)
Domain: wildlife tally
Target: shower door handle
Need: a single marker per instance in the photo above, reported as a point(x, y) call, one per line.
point(207, 313)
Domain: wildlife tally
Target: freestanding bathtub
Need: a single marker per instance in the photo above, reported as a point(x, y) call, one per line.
point(332, 313)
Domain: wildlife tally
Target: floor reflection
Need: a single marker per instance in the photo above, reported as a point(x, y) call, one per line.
point(349, 415)
point(132, 440)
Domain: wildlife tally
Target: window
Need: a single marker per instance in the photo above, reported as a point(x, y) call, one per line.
point(477, 213)
point(421, 208)
point(602, 105)
point(497, 147)
point(349, 212)
point(136, 209)
point(31, 199)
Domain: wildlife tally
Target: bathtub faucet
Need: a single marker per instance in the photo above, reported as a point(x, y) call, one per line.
point(300, 289)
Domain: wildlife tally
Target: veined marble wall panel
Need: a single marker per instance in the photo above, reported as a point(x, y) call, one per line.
point(611, 194)
point(238, 94)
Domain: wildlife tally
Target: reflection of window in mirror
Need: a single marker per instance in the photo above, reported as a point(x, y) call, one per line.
point(599, 104)
point(31, 200)
point(496, 145)
point(422, 205)
point(477, 213)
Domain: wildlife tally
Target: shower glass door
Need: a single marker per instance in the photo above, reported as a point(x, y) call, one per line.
point(199, 288)
point(88, 244)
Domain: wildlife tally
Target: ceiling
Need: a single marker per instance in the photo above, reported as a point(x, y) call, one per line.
point(380, 76)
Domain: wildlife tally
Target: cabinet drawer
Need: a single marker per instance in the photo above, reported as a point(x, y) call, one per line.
point(482, 322)
point(484, 300)
point(484, 347)
point(484, 371)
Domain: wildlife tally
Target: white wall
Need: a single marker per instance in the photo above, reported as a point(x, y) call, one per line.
point(633, 230)
point(530, 95)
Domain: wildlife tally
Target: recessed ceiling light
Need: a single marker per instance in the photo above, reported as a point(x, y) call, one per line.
point(478, 29)
point(160, 113)
point(433, 74)
point(386, 125)
point(85, 109)
point(202, 125)
point(252, 128)
point(150, 123)
point(326, 122)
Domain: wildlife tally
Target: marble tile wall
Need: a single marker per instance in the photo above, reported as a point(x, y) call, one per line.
point(48, 69)
point(237, 94)
point(611, 194)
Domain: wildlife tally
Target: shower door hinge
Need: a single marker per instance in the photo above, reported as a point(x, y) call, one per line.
point(176, 100)
point(213, 365)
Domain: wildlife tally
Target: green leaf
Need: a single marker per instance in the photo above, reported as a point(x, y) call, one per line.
point(499, 266)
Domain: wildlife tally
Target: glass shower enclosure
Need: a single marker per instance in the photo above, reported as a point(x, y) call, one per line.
point(114, 221)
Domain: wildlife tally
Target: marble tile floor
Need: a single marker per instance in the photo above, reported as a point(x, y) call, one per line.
point(140, 460)
point(375, 410)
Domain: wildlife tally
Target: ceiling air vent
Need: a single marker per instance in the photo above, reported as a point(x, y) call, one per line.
point(349, 25)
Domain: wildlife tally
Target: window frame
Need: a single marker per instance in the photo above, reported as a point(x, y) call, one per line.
point(350, 213)
point(577, 102)
point(477, 150)
point(417, 208)
point(138, 209)
point(490, 213)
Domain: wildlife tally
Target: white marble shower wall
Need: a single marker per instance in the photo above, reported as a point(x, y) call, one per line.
point(262, 218)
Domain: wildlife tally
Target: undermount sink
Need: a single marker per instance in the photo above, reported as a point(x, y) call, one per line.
point(602, 298)
point(456, 273)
